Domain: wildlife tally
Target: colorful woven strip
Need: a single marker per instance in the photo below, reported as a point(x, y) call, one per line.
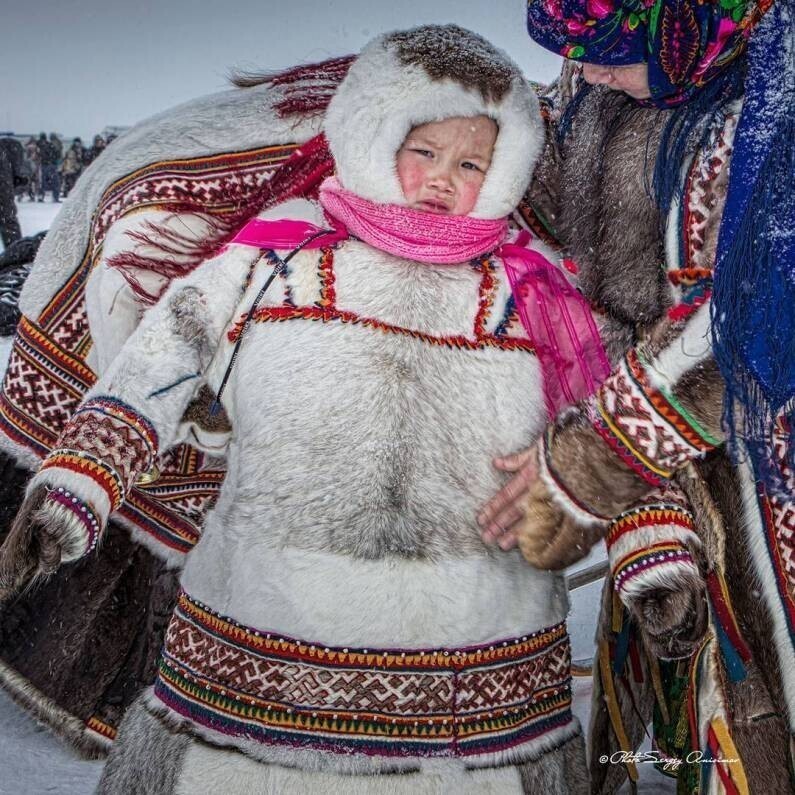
point(114, 434)
point(649, 516)
point(118, 410)
point(703, 188)
point(706, 704)
point(444, 702)
point(104, 730)
point(736, 653)
point(614, 710)
point(82, 512)
point(667, 407)
point(84, 463)
point(649, 431)
point(778, 516)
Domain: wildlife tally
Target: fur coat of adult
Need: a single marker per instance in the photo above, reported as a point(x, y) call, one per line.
point(596, 188)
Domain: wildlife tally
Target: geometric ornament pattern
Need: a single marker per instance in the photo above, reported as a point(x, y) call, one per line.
point(255, 685)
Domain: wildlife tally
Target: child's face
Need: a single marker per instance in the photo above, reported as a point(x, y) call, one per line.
point(441, 165)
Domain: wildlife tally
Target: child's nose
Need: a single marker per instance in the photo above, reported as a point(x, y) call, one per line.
point(441, 179)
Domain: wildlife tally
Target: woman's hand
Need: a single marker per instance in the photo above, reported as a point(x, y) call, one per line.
point(500, 517)
point(524, 513)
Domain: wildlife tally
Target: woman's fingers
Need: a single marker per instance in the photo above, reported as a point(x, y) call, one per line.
point(502, 523)
point(508, 540)
point(514, 462)
point(513, 491)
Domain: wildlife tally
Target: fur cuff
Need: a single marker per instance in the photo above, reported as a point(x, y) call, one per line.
point(644, 426)
point(647, 547)
point(80, 494)
point(102, 449)
point(560, 495)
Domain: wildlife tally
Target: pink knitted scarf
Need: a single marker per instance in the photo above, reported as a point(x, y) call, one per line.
point(555, 316)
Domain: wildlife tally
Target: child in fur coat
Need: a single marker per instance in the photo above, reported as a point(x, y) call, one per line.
point(341, 617)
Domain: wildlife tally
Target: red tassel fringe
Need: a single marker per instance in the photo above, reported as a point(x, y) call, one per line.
point(299, 176)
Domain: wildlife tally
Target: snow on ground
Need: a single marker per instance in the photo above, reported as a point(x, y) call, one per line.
point(34, 762)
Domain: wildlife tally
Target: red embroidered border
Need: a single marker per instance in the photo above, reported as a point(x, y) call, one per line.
point(325, 310)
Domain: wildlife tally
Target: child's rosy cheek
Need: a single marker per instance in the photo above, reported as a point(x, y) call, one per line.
point(469, 193)
point(411, 177)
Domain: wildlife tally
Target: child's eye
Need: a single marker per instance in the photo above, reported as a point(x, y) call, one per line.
point(469, 166)
point(423, 152)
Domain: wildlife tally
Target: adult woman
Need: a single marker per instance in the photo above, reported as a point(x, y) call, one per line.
point(681, 72)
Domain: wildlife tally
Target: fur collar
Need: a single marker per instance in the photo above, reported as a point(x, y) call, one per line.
point(608, 219)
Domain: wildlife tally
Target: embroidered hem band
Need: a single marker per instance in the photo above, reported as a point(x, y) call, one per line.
point(399, 703)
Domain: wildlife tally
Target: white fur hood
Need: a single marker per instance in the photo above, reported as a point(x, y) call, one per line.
point(431, 73)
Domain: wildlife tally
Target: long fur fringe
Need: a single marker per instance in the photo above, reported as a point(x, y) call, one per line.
point(48, 714)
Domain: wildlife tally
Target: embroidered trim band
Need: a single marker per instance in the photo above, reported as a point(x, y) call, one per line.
point(643, 561)
point(647, 544)
point(326, 311)
point(86, 464)
point(649, 516)
point(444, 702)
point(646, 429)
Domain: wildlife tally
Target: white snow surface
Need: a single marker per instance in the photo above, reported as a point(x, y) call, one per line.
point(33, 761)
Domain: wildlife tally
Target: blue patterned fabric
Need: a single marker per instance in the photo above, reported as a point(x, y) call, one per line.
point(753, 303)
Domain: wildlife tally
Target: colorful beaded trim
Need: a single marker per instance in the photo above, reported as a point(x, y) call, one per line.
point(84, 463)
point(82, 511)
point(649, 516)
point(280, 691)
point(641, 561)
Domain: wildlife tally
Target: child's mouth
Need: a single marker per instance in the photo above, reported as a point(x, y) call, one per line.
point(431, 206)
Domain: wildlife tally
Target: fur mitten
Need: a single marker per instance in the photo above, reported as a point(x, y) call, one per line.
point(672, 620)
point(547, 536)
point(41, 538)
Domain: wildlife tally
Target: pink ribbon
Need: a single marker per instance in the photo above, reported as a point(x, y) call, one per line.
point(556, 317)
point(559, 322)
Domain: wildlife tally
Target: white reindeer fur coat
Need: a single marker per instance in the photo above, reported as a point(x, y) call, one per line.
point(361, 450)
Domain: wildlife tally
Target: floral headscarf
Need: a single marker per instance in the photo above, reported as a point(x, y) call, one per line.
point(686, 43)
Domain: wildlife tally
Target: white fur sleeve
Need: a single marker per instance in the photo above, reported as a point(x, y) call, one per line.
point(134, 410)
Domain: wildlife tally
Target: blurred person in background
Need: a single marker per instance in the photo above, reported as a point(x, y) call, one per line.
point(12, 157)
point(96, 150)
point(34, 166)
point(49, 158)
point(72, 165)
